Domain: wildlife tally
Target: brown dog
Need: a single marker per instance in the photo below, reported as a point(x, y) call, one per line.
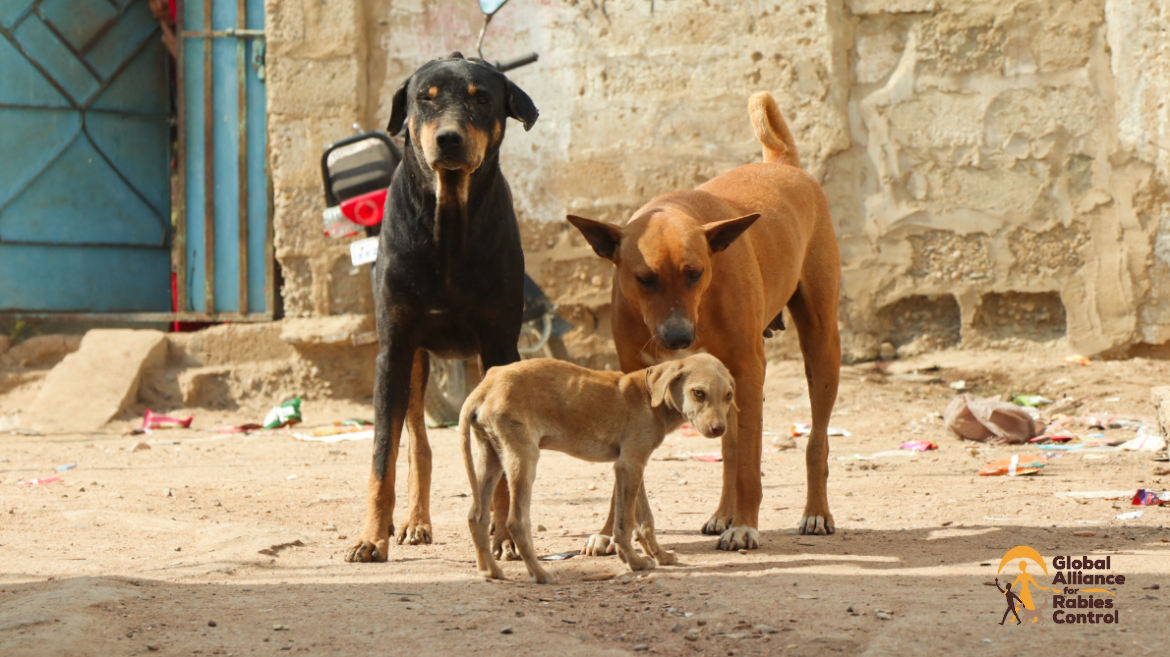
point(711, 270)
point(525, 407)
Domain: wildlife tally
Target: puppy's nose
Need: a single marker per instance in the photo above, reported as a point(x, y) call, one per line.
point(676, 334)
point(718, 430)
point(449, 139)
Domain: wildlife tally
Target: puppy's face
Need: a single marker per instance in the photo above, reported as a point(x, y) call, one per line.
point(455, 109)
point(698, 387)
point(663, 259)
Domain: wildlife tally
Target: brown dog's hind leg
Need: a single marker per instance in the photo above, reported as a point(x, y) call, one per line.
point(601, 544)
point(815, 313)
point(417, 529)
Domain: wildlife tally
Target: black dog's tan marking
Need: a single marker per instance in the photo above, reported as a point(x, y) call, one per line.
point(449, 273)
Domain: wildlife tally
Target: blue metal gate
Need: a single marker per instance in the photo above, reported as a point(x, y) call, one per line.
point(225, 228)
point(84, 157)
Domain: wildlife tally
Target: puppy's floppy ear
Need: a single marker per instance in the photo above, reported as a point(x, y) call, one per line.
point(721, 234)
point(521, 107)
point(398, 109)
point(604, 238)
point(661, 378)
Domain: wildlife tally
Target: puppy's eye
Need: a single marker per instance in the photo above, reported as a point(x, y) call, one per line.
point(693, 276)
point(729, 396)
point(699, 395)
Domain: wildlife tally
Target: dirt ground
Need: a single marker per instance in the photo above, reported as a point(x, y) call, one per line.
point(159, 551)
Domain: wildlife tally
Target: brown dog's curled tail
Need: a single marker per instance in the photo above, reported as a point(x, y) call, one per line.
point(771, 130)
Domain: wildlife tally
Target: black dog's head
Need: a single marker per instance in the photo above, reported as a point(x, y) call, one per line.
point(456, 109)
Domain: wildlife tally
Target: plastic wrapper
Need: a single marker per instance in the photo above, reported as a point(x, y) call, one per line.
point(989, 420)
point(919, 446)
point(1014, 466)
point(1146, 497)
point(152, 420)
point(287, 414)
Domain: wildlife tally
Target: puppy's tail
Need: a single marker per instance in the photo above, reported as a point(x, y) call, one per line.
point(771, 130)
point(466, 417)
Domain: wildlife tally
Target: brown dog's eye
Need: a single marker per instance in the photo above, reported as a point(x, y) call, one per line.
point(693, 276)
point(698, 395)
point(646, 281)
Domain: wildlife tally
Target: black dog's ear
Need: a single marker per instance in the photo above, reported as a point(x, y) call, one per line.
point(603, 237)
point(520, 106)
point(398, 109)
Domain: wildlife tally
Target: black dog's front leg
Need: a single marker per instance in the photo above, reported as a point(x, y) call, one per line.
point(391, 398)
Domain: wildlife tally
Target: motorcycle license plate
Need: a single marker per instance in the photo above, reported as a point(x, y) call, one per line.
point(364, 251)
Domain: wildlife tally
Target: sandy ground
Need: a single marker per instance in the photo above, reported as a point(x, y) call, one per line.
point(159, 551)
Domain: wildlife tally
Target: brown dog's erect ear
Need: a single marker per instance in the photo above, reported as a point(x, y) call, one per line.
point(660, 378)
point(521, 107)
point(603, 237)
point(398, 109)
point(721, 234)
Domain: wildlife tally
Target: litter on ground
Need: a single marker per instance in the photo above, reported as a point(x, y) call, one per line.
point(152, 420)
point(287, 414)
point(919, 446)
point(990, 420)
point(1014, 466)
point(805, 428)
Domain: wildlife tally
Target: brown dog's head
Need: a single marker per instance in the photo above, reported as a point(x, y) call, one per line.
point(456, 109)
point(663, 259)
point(699, 387)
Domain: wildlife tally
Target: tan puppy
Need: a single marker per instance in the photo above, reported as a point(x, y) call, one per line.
point(711, 270)
point(525, 407)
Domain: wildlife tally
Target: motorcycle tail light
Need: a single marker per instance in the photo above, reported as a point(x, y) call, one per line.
point(366, 209)
point(336, 225)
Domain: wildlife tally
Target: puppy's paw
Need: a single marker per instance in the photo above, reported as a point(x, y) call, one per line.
point(817, 524)
point(505, 549)
point(599, 545)
point(415, 534)
point(716, 525)
point(740, 538)
point(367, 551)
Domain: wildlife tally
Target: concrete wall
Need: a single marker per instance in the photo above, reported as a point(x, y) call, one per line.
point(997, 169)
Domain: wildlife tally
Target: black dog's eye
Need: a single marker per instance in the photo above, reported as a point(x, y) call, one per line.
point(482, 100)
point(698, 394)
point(694, 275)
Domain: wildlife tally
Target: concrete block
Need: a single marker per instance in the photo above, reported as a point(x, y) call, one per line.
point(91, 386)
point(1160, 396)
point(336, 329)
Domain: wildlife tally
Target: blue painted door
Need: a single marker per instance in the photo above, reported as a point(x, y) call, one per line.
point(84, 157)
point(227, 256)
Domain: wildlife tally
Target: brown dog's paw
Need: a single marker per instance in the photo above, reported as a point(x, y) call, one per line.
point(365, 551)
point(740, 538)
point(665, 558)
point(716, 525)
point(544, 577)
point(504, 548)
point(415, 534)
point(599, 545)
point(817, 524)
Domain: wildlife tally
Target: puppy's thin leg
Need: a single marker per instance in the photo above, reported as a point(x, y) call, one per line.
point(520, 465)
point(645, 529)
point(628, 481)
point(503, 547)
point(487, 476)
point(814, 310)
point(418, 524)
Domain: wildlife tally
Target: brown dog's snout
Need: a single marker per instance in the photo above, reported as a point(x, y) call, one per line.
point(676, 333)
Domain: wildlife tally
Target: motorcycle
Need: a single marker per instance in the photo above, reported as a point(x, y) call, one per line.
point(356, 174)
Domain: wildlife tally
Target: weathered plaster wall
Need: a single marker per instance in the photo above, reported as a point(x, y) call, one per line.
point(997, 169)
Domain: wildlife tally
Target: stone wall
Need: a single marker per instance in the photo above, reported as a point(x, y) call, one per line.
point(997, 170)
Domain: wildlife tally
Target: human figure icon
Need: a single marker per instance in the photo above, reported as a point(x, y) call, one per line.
point(1012, 599)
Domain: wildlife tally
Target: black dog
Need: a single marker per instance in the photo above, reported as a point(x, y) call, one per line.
point(450, 272)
